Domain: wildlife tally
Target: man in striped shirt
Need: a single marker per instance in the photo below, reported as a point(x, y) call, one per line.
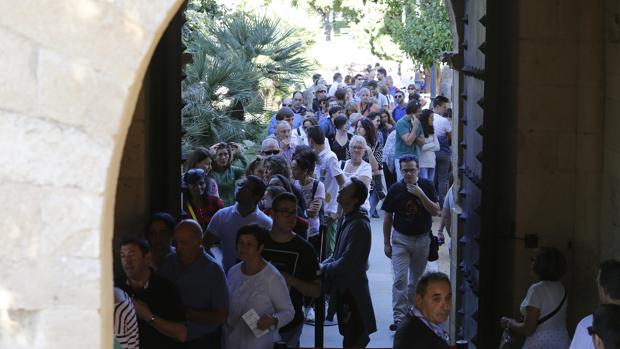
point(125, 321)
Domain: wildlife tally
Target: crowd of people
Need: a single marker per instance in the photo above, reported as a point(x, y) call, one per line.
point(293, 223)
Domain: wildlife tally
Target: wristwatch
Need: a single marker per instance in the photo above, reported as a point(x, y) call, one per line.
point(152, 319)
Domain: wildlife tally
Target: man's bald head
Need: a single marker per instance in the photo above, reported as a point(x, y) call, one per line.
point(189, 225)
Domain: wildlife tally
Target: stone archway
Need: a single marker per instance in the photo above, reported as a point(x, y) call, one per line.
point(69, 83)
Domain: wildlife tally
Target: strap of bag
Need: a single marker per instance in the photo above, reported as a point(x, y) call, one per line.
point(315, 185)
point(551, 314)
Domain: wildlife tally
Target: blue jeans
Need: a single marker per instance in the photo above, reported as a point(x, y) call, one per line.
point(443, 163)
point(427, 173)
point(374, 200)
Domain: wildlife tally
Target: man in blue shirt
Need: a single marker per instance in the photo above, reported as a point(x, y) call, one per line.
point(400, 109)
point(294, 118)
point(202, 284)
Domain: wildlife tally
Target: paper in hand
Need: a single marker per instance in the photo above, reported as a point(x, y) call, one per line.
point(251, 319)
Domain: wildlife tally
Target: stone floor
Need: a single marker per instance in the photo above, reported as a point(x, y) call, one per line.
point(380, 277)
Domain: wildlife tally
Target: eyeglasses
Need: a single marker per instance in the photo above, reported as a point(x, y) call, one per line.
point(398, 96)
point(409, 170)
point(286, 213)
point(321, 91)
point(271, 152)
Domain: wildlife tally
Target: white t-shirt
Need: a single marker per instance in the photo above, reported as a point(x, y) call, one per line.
point(582, 339)
point(362, 170)
point(441, 125)
point(313, 222)
point(265, 292)
point(546, 296)
point(326, 171)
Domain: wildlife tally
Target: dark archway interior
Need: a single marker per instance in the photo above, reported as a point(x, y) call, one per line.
point(537, 105)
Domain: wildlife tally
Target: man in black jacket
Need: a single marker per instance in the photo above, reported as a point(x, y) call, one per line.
point(422, 328)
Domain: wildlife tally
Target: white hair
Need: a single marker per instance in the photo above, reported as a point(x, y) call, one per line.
point(357, 139)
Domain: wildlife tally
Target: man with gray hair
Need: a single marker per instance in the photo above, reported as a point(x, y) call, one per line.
point(285, 113)
point(202, 284)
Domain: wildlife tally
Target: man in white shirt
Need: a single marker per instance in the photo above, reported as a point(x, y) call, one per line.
point(227, 221)
point(329, 172)
point(443, 132)
point(335, 85)
point(608, 283)
point(382, 101)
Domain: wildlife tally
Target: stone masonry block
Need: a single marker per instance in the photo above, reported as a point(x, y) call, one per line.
point(590, 109)
point(537, 152)
point(17, 327)
point(588, 207)
point(612, 124)
point(149, 13)
point(589, 153)
point(567, 147)
point(51, 154)
point(75, 93)
point(612, 57)
point(74, 328)
point(591, 20)
point(591, 63)
point(539, 19)
point(543, 203)
point(548, 62)
point(76, 28)
point(18, 79)
point(558, 112)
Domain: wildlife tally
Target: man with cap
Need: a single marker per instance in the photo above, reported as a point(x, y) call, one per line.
point(227, 221)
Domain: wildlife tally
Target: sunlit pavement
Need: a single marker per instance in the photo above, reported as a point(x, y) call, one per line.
point(380, 278)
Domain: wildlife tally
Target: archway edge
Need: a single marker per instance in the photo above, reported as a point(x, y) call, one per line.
point(69, 86)
point(107, 226)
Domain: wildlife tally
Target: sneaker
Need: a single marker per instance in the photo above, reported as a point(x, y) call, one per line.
point(309, 316)
point(394, 326)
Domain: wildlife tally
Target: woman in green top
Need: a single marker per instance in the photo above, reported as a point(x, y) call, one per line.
point(224, 173)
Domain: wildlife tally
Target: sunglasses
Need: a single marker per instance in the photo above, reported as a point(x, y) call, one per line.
point(399, 96)
point(271, 152)
point(321, 91)
point(410, 88)
point(287, 105)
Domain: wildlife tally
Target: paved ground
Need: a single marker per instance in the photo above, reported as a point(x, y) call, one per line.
point(380, 277)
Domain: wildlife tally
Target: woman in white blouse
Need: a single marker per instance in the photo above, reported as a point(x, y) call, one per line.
point(544, 307)
point(255, 286)
point(356, 166)
point(427, 159)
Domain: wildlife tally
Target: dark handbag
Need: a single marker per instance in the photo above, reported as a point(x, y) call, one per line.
point(512, 340)
point(433, 250)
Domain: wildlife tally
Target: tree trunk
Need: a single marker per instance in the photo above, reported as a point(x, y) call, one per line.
point(327, 26)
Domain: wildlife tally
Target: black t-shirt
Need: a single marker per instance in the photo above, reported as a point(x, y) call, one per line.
point(413, 333)
point(164, 300)
point(296, 257)
point(410, 216)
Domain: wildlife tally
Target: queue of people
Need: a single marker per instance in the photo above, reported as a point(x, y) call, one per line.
point(294, 222)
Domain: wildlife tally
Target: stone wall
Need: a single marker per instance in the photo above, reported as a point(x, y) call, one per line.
point(557, 123)
point(69, 82)
point(610, 190)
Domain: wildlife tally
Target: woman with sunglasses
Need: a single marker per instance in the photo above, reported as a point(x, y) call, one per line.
point(225, 174)
point(197, 203)
point(543, 311)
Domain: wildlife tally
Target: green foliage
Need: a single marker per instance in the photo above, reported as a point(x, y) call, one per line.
point(239, 60)
point(426, 31)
